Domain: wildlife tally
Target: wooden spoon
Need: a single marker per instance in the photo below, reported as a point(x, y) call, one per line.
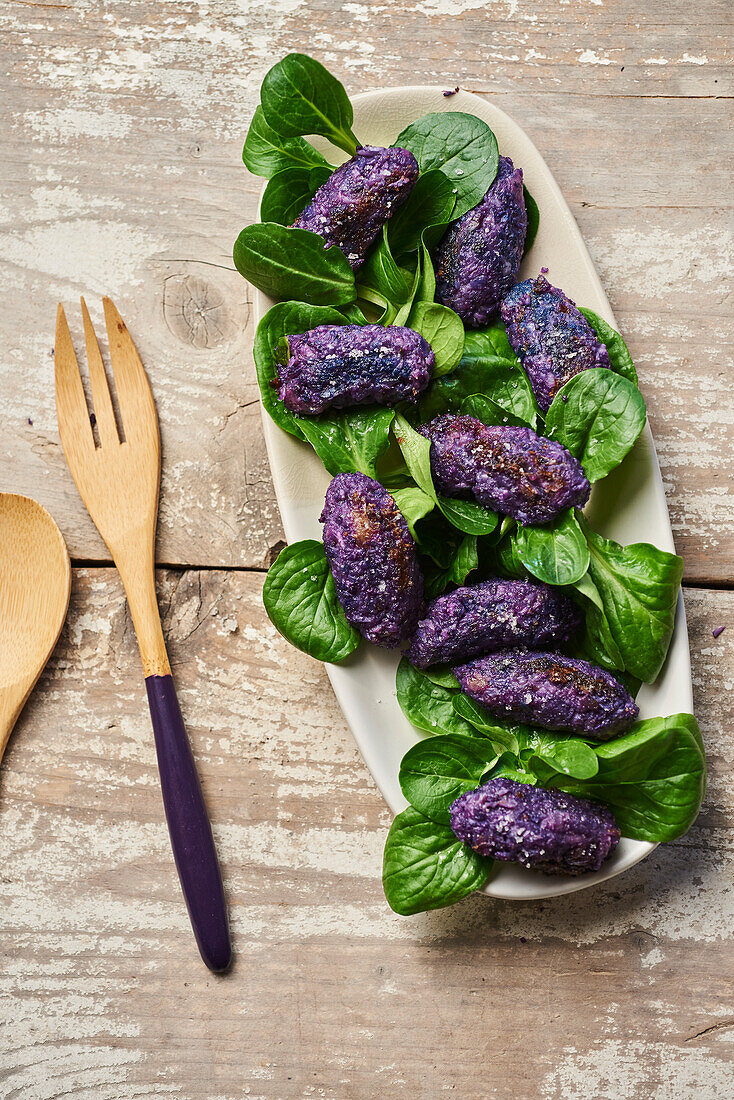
point(35, 583)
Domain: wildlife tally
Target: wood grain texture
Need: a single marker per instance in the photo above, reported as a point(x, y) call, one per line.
point(622, 991)
point(123, 128)
point(121, 174)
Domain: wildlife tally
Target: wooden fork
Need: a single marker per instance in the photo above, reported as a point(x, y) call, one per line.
point(119, 484)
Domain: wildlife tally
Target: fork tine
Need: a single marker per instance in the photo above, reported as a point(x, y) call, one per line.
point(98, 380)
point(75, 428)
point(133, 389)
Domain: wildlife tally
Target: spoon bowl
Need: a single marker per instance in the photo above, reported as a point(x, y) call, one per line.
point(35, 584)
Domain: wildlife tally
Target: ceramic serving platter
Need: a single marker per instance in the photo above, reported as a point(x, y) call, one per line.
point(628, 506)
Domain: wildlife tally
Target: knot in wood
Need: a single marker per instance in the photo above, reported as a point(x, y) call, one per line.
point(196, 311)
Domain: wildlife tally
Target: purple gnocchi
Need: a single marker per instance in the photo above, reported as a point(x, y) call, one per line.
point(544, 830)
point(338, 366)
point(550, 336)
point(507, 469)
point(373, 560)
point(549, 690)
point(478, 259)
point(496, 614)
point(350, 209)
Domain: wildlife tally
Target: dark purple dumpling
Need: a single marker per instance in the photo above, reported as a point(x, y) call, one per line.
point(550, 336)
point(373, 560)
point(495, 614)
point(549, 690)
point(350, 209)
point(507, 469)
point(338, 366)
point(478, 259)
point(543, 830)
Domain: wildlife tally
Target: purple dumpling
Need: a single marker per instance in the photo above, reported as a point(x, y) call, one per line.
point(544, 830)
point(478, 259)
point(373, 559)
point(494, 614)
point(351, 207)
point(549, 690)
point(508, 469)
point(338, 366)
point(550, 336)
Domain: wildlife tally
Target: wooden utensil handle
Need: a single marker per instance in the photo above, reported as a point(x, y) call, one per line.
point(188, 826)
point(183, 801)
point(136, 566)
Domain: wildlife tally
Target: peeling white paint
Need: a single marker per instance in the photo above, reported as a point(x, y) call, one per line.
point(461, 7)
point(83, 252)
point(626, 1070)
point(666, 261)
point(68, 124)
point(591, 57)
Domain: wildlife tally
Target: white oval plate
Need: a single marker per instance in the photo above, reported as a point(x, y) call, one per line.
point(629, 506)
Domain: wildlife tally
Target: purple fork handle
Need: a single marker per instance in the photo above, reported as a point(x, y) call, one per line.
point(188, 826)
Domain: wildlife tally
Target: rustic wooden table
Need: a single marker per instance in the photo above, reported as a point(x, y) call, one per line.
point(122, 130)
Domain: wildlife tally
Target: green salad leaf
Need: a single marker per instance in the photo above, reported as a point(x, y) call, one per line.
point(569, 755)
point(459, 145)
point(416, 450)
point(638, 587)
point(289, 191)
point(555, 552)
point(291, 263)
point(443, 676)
point(509, 768)
point(443, 330)
point(436, 771)
point(652, 778)
point(426, 704)
point(468, 516)
point(380, 273)
point(461, 561)
point(619, 355)
point(425, 866)
point(465, 560)
point(489, 412)
point(267, 152)
point(504, 558)
point(533, 213)
point(349, 441)
point(424, 215)
point(301, 602)
point(482, 371)
point(299, 96)
point(352, 314)
point(438, 540)
point(413, 503)
point(598, 644)
point(505, 737)
point(426, 288)
point(597, 415)
point(489, 342)
point(522, 745)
